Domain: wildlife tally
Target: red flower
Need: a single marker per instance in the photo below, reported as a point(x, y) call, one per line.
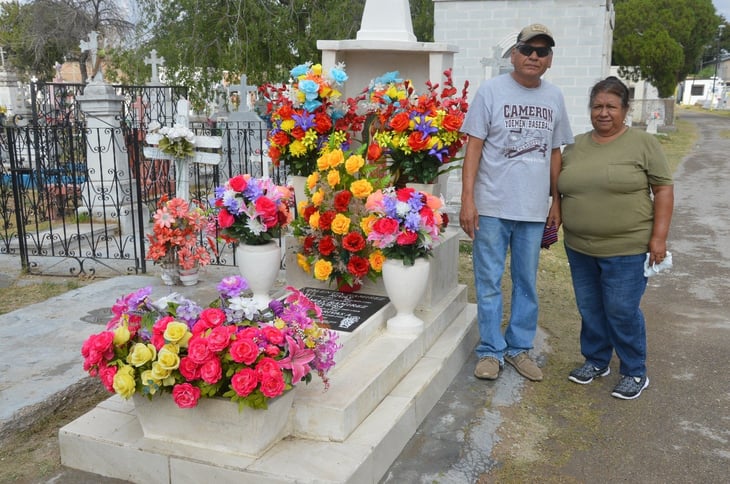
point(400, 122)
point(404, 194)
point(322, 123)
point(244, 350)
point(326, 245)
point(267, 211)
point(308, 243)
point(358, 266)
point(280, 138)
point(342, 200)
point(238, 183)
point(325, 220)
point(407, 237)
point(225, 219)
point(417, 141)
point(298, 133)
point(244, 381)
point(374, 152)
point(353, 242)
point(386, 226)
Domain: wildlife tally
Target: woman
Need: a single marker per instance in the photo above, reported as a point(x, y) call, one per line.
point(617, 200)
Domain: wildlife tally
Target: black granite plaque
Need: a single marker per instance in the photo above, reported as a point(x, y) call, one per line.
point(345, 311)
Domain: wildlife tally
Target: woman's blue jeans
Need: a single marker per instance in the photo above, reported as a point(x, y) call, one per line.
point(608, 292)
point(491, 242)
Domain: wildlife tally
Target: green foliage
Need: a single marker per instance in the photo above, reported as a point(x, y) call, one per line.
point(662, 40)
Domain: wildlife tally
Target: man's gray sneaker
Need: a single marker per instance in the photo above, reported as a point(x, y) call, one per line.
point(586, 373)
point(630, 387)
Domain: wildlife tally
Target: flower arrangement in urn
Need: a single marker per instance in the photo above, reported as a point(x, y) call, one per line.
point(228, 349)
point(333, 223)
point(252, 210)
point(177, 141)
point(308, 116)
point(176, 233)
point(408, 223)
point(419, 133)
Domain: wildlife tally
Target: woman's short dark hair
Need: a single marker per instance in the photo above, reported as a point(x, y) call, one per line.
point(611, 85)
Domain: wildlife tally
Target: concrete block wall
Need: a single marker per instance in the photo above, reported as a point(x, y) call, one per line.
point(583, 31)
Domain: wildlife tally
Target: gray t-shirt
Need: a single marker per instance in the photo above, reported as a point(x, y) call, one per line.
point(520, 126)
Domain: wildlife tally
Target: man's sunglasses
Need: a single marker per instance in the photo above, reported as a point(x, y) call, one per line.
point(527, 50)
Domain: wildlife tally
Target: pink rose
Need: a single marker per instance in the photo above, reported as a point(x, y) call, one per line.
point(273, 386)
point(209, 318)
point(186, 395)
point(244, 382)
point(273, 334)
point(244, 350)
point(189, 369)
point(268, 367)
point(272, 350)
point(219, 338)
point(198, 350)
point(211, 371)
point(106, 375)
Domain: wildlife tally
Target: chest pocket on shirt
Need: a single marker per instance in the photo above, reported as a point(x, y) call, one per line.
point(626, 174)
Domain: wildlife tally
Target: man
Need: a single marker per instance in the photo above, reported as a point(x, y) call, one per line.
point(515, 126)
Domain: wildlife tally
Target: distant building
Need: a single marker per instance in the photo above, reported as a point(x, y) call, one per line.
point(700, 92)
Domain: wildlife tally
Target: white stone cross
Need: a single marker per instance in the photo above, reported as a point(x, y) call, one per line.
point(243, 90)
point(155, 62)
point(182, 165)
point(497, 62)
point(92, 46)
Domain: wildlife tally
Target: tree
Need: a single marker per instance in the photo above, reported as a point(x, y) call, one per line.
point(662, 40)
point(262, 38)
point(40, 33)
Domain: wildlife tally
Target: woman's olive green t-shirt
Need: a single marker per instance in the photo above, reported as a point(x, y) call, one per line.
point(607, 205)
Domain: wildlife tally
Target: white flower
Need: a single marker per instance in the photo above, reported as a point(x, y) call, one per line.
point(245, 304)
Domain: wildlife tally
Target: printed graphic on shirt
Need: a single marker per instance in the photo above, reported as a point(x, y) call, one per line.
point(529, 128)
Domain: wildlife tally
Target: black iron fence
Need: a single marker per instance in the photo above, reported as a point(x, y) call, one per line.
point(75, 200)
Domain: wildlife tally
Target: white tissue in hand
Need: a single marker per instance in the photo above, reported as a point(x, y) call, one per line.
point(653, 269)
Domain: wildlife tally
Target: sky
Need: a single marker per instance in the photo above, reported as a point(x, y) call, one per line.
point(723, 8)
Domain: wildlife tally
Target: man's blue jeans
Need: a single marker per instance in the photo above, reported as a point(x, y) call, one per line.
point(490, 244)
point(608, 292)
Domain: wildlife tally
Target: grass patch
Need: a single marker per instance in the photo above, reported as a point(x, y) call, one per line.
point(24, 293)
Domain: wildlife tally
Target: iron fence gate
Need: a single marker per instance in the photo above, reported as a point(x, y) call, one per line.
point(75, 200)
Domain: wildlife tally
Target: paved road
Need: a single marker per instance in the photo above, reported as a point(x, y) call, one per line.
point(679, 430)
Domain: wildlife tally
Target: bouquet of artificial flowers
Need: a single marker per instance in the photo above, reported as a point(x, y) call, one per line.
point(408, 223)
point(229, 349)
point(252, 210)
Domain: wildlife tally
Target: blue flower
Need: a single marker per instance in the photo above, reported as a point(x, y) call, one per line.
point(312, 105)
point(338, 75)
point(309, 88)
point(299, 70)
point(388, 77)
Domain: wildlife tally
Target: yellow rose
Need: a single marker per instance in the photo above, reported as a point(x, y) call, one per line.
point(301, 206)
point(340, 224)
point(333, 178)
point(159, 372)
point(376, 260)
point(304, 263)
point(123, 382)
point(121, 335)
point(168, 359)
point(312, 180)
point(354, 163)
point(314, 220)
point(361, 188)
point(366, 224)
point(317, 69)
point(149, 382)
point(141, 353)
point(318, 197)
point(177, 332)
point(322, 269)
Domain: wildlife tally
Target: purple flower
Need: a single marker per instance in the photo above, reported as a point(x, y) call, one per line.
point(232, 286)
point(304, 120)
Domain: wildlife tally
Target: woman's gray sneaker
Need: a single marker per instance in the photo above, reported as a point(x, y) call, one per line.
point(586, 373)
